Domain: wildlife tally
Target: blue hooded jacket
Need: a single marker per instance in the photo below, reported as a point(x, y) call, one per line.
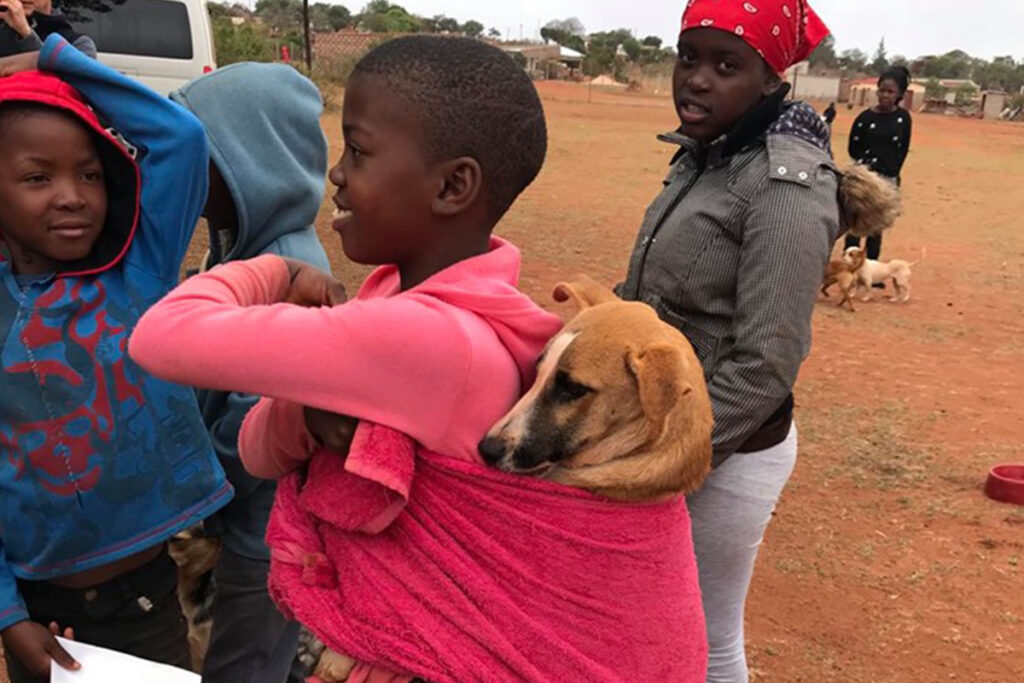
point(98, 459)
point(263, 126)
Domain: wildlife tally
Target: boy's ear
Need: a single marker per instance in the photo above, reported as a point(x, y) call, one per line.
point(461, 182)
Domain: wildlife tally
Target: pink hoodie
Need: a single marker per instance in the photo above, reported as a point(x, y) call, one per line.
point(441, 362)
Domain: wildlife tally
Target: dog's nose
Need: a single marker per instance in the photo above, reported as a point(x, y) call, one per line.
point(492, 449)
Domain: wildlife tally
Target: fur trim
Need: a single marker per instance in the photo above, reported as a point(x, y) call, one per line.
point(869, 204)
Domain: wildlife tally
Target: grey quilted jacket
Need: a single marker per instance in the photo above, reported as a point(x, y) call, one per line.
point(732, 254)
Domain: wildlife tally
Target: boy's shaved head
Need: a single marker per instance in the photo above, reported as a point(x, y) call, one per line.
point(472, 100)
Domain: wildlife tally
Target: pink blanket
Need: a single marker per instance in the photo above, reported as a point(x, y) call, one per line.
point(453, 572)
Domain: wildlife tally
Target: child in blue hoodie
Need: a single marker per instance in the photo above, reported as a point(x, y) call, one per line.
point(267, 171)
point(100, 462)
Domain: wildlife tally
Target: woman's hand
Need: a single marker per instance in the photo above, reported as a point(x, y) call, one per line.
point(36, 647)
point(312, 287)
point(12, 13)
point(25, 61)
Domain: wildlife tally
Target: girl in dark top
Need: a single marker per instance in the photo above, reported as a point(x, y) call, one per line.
point(880, 138)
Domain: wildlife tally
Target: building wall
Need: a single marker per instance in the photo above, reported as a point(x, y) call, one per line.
point(809, 87)
point(993, 104)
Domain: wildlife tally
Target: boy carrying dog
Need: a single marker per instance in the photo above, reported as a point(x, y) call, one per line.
point(441, 136)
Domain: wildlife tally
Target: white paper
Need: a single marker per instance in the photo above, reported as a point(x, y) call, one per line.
point(100, 665)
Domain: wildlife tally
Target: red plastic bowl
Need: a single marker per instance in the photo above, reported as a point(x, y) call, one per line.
point(1006, 484)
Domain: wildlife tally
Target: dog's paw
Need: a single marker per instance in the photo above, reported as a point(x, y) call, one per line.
point(333, 667)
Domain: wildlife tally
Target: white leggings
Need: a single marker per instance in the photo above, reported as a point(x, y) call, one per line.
point(730, 514)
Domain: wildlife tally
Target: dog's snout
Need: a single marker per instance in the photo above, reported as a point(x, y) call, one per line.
point(492, 449)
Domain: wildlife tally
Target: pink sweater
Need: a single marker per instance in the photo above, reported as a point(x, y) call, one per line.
point(441, 362)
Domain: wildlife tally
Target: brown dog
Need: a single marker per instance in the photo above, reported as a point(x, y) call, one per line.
point(196, 555)
point(619, 407)
point(843, 272)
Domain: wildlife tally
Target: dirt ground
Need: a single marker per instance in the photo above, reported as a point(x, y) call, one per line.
point(885, 562)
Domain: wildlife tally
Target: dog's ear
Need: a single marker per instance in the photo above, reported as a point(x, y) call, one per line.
point(660, 378)
point(584, 292)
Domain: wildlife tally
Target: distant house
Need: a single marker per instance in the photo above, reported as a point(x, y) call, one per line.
point(864, 93)
point(809, 86)
point(549, 61)
point(993, 103)
point(955, 85)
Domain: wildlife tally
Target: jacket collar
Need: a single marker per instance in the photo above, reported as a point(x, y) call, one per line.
point(751, 127)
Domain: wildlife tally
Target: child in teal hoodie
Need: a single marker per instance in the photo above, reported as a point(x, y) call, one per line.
point(268, 164)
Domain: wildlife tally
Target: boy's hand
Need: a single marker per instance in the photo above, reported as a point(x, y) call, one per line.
point(35, 647)
point(312, 287)
point(13, 14)
point(332, 431)
point(26, 61)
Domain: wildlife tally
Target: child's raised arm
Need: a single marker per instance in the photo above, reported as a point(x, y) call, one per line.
point(172, 152)
point(222, 330)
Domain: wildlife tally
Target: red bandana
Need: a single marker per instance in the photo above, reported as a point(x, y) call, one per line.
point(784, 32)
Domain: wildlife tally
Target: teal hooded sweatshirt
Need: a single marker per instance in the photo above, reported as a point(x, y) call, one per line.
point(263, 126)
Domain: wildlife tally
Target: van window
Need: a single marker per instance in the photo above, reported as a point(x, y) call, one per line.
point(149, 28)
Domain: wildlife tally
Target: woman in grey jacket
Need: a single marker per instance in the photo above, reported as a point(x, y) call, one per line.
point(732, 254)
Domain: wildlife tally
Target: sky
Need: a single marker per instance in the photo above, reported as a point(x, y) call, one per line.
point(913, 28)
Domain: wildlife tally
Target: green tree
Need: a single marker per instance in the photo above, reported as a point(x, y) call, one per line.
point(571, 26)
point(324, 17)
point(472, 29)
point(72, 9)
point(853, 60)
point(880, 62)
point(245, 43)
point(380, 16)
point(652, 41)
point(824, 56)
point(603, 55)
point(448, 25)
point(493, 33)
point(439, 23)
point(339, 16)
point(955, 64)
point(282, 16)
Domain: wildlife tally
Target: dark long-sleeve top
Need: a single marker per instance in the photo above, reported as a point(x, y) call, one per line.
point(881, 140)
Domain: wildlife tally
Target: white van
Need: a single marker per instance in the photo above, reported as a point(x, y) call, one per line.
point(163, 43)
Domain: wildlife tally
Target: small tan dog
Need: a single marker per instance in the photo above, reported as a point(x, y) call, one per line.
point(871, 271)
point(619, 407)
point(842, 272)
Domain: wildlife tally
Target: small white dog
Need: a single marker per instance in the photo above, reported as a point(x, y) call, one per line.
point(879, 271)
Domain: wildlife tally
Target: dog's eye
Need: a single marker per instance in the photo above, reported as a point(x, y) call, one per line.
point(565, 390)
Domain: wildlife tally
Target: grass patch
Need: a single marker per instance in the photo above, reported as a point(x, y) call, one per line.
point(876, 451)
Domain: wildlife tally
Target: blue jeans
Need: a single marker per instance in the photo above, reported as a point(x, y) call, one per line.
point(729, 515)
point(251, 641)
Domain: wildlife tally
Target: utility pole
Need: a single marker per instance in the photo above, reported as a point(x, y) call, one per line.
point(308, 46)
